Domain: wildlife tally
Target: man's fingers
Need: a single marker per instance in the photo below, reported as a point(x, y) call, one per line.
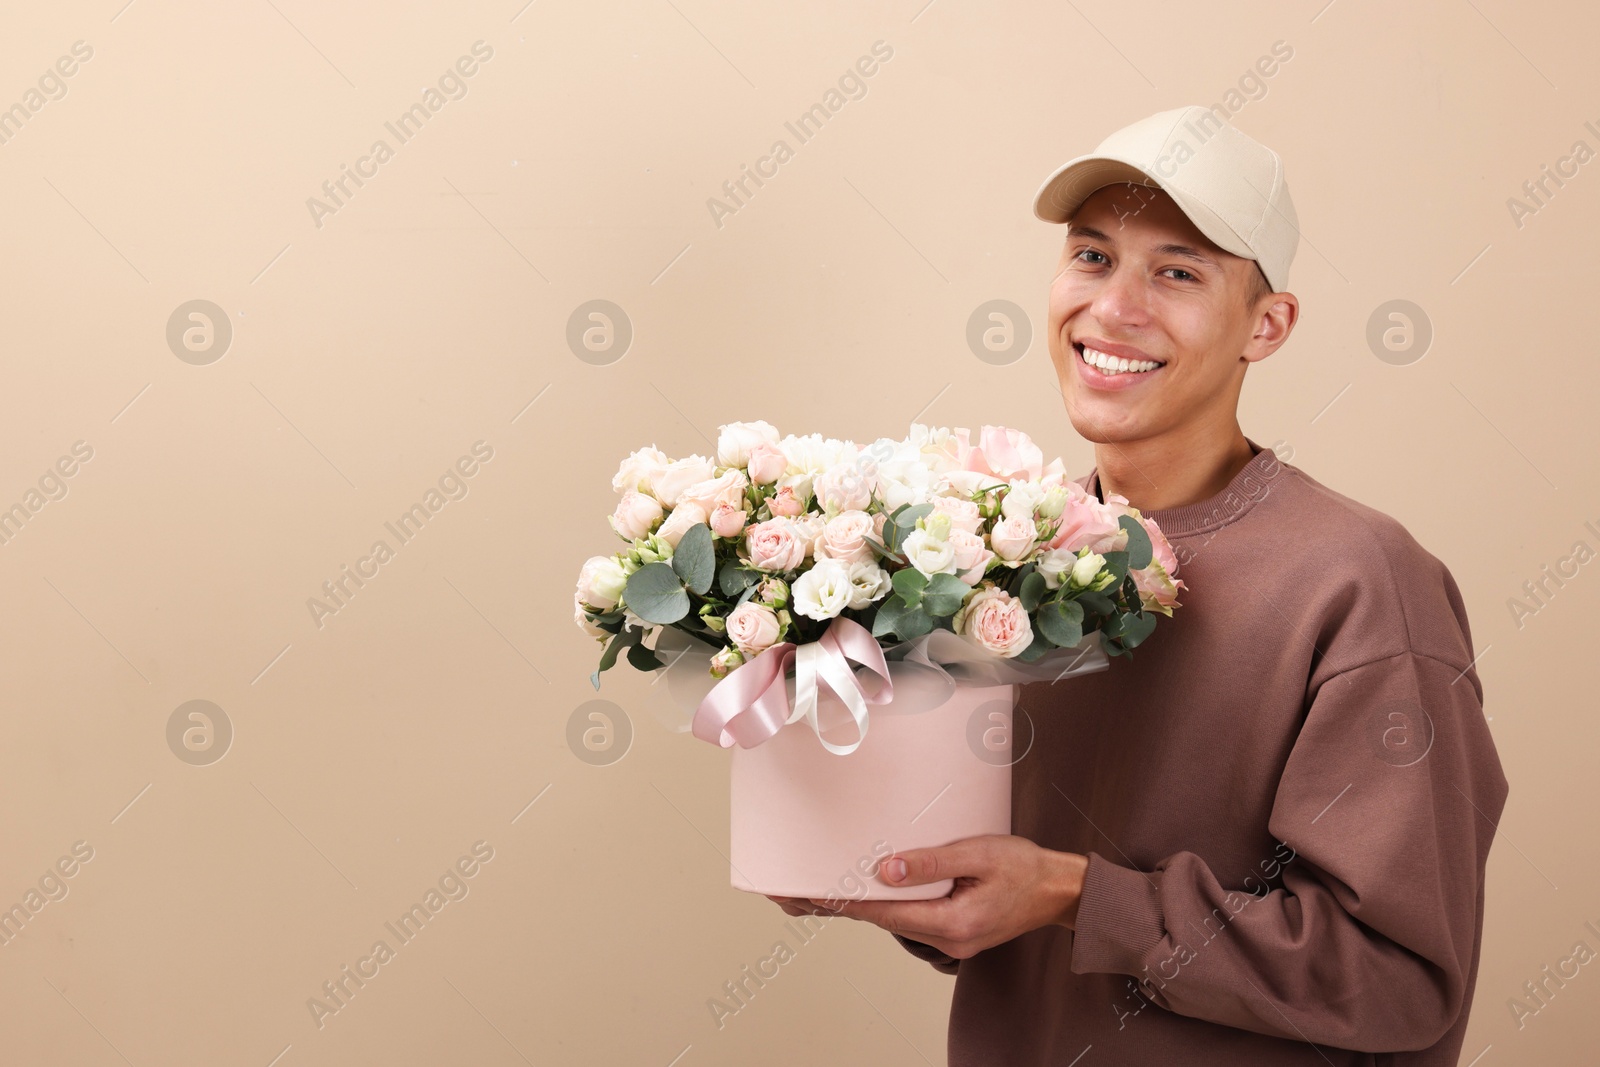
point(919, 866)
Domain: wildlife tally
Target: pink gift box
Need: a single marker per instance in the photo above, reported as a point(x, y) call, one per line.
point(807, 822)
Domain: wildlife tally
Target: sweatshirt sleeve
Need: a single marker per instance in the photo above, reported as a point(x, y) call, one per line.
point(1362, 931)
point(941, 962)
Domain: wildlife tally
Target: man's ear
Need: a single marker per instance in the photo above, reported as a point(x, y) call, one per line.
point(1274, 323)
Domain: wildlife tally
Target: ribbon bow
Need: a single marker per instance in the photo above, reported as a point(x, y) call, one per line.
point(751, 704)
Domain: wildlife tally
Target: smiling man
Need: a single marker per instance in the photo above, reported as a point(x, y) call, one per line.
point(1263, 840)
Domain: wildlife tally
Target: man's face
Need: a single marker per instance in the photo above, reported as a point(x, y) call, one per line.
point(1139, 282)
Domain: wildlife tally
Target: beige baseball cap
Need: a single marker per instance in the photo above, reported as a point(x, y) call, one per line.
point(1230, 185)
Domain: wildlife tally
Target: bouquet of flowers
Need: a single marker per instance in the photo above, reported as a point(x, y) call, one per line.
point(775, 539)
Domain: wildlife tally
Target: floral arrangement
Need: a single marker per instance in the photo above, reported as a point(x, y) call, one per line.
point(773, 538)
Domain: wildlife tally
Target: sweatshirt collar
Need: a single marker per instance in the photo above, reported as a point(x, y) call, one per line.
point(1247, 488)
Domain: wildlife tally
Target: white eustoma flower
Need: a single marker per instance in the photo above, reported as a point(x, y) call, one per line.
point(868, 582)
point(823, 591)
point(929, 554)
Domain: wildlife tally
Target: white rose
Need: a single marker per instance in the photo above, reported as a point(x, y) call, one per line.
point(600, 582)
point(726, 488)
point(736, 439)
point(823, 591)
point(842, 487)
point(636, 515)
point(583, 622)
point(670, 481)
point(929, 554)
point(639, 470)
point(868, 582)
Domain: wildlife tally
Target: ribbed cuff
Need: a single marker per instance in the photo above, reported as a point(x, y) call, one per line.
point(1119, 919)
point(941, 961)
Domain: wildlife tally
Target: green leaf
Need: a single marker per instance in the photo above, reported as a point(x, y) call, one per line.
point(643, 658)
point(1139, 548)
point(1135, 628)
point(1110, 646)
point(914, 622)
point(909, 583)
point(693, 560)
point(888, 616)
point(655, 594)
point(1117, 564)
point(1034, 588)
point(945, 594)
point(1098, 603)
point(735, 576)
point(1062, 622)
point(902, 522)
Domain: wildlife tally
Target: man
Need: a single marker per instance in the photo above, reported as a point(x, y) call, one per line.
point(1262, 840)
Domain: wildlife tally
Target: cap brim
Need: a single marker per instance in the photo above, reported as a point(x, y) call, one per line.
point(1076, 180)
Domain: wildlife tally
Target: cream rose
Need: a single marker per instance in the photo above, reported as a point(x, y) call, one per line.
point(844, 538)
point(963, 513)
point(680, 474)
point(728, 521)
point(995, 621)
point(600, 582)
point(972, 555)
point(726, 488)
point(636, 515)
point(753, 628)
point(774, 546)
point(1013, 539)
point(736, 439)
point(638, 472)
point(679, 521)
point(767, 463)
point(842, 487)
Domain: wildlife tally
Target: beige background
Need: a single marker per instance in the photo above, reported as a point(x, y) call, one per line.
point(429, 312)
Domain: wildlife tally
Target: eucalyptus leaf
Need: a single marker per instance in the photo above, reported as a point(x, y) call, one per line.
point(1034, 588)
point(1139, 547)
point(1135, 628)
point(1117, 564)
point(1098, 603)
point(734, 577)
point(914, 622)
point(909, 583)
point(1062, 622)
point(694, 560)
point(643, 658)
point(655, 594)
point(888, 616)
point(945, 594)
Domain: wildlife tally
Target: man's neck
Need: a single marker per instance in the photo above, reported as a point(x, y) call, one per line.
point(1173, 470)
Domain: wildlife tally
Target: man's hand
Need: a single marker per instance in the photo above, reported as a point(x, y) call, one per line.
point(1005, 886)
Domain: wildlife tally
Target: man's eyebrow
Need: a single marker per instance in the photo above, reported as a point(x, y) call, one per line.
point(1187, 253)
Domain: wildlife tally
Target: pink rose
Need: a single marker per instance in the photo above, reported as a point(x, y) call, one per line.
point(727, 488)
point(774, 545)
point(728, 521)
point(844, 538)
point(636, 515)
point(679, 521)
point(767, 463)
point(753, 628)
point(679, 475)
point(1002, 452)
point(995, 621)
point(736, 439)
point(972, 555)
point(1086, 521)
point(1158, 583)
point(785, 503)
point(963, 513)
point(1012, 539)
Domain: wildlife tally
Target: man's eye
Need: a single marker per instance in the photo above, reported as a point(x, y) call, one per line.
point(1091, 252)
point(1180, 270)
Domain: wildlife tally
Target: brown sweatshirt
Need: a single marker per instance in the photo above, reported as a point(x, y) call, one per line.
point(1287, 799)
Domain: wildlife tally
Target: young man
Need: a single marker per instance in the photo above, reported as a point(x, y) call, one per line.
point(1262, 840)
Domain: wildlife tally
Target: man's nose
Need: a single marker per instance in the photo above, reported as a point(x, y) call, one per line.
point(1123, 299)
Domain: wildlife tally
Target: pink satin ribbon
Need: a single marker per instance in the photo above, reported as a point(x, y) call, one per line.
point(751, 704)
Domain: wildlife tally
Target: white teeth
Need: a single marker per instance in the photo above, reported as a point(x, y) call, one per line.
point(1116, 364)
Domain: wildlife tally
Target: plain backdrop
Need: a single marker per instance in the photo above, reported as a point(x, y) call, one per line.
point(377, 339)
